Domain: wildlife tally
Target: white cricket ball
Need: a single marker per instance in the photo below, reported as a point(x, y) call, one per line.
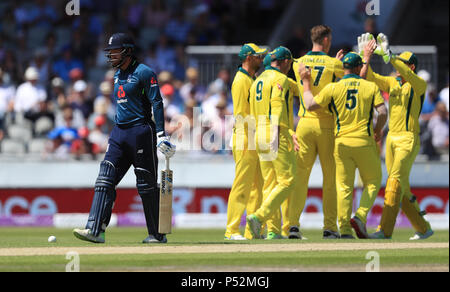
point(52, 238)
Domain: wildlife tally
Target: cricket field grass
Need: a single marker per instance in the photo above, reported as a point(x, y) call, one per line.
point(27, 249)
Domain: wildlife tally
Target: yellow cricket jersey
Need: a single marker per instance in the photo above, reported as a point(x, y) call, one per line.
point(294, 91)
point(405, 108)
point(352, 101)
point(240, 92)
point(269, 99)
point(324, 70)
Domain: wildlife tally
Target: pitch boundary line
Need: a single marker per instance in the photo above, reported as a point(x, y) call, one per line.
point(215, 248)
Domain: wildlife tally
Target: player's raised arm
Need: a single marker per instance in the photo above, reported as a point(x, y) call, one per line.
point(369, 49)
point(401, 63)
point(305, 76)
point(383, 82)
point(405, 64)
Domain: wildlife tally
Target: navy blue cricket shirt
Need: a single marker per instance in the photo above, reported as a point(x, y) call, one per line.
point(136, 92)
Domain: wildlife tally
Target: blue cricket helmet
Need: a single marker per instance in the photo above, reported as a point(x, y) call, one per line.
point(120, 41)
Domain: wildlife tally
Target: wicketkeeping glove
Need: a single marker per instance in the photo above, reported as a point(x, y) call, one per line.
point(363, 40)
point(164, 145)
point(383, 48)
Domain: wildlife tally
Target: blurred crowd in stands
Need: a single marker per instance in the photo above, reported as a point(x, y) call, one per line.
point(55, 84)
point(56, 87)
point(434, 120)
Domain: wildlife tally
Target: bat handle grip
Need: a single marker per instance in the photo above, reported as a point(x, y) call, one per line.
point(167, 163)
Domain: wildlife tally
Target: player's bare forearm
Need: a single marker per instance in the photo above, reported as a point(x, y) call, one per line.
point(295, 141)
point(368, 53)
point(308, 98)
point(364, 70)
point(310, 104)
point(381, 121)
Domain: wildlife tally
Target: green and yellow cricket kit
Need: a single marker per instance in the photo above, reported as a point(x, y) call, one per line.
point(352, 101)
point(274, 224)
point(403, 142)
point(246, 191)
point(315, 134)
point(269, 105)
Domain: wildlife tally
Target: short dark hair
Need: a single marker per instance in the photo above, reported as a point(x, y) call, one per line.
point(319, 32)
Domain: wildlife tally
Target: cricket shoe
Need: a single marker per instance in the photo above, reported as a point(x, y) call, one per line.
point(153, 239)
point(359, 227)
point(254, 225)
point(86, 235)
point(378, 235)
point(422, 236)
point(273, 235)
point(329, 234)
point(235, 237)
point(295, 233)
point(347, 236)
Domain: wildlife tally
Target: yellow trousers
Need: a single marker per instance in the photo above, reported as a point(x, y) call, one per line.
point(278, 171)
point(246, 192)
point(316, 138)
point(280, 222)
point(401, 151)
point(351, 154)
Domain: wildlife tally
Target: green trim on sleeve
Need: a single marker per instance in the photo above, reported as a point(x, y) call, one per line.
point(370, 116)
point(408, 111)
point(338, 122)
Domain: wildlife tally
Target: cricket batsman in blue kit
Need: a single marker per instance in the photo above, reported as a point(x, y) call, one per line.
point(133, 141)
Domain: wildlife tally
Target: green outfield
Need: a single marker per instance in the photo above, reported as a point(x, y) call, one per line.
point(27, 249)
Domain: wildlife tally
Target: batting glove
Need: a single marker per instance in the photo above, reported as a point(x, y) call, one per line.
point(363, 40)
point(383, 48)
point(164, 145)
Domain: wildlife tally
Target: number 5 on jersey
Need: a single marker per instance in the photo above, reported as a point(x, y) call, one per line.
point(351, 99)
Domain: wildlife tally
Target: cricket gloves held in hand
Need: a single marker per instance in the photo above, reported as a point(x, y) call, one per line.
point(383, 48)
point(164, 145)
point(363, 40)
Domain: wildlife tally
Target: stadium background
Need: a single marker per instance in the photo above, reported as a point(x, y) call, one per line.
point(53, 134)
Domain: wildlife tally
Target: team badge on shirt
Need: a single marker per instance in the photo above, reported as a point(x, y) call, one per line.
point(153, 82)
point(132, 79)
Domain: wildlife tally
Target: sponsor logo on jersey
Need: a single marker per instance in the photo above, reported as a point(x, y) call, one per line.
point(132, 79)
point(121, 95)
point(153, 82)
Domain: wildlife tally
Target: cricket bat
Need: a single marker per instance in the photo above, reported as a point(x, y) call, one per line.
point(165, 201)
